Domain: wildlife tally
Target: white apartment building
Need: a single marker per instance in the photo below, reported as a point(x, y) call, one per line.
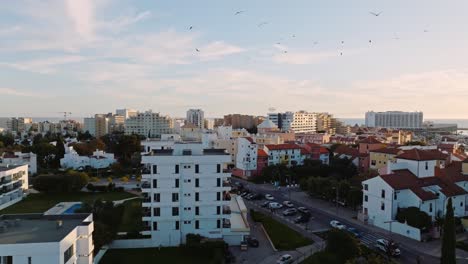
point(419, 179)
point(19, 158)
point(299, 122)
point(287, 154)
point(246, 158)
point(126, 113)
point(196, 117)
point(394, 119)
point(99, 160)
point(37, 238)
point(149, 124)
point(13, 183)
point(187, 192)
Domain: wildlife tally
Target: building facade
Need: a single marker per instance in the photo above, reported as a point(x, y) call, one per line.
point(186, 191)
point(395, 119)
point(13, 183)
point(19, 158)
point(196, 117)
point(149, 124)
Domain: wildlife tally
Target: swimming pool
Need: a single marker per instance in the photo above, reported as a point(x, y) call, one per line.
point(72, 209)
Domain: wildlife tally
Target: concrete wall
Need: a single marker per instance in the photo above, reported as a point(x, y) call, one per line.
point(131, 243)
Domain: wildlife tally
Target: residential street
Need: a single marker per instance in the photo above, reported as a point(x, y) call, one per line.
point(323, 212)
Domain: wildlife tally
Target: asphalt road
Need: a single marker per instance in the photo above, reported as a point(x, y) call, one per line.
point(323, 219)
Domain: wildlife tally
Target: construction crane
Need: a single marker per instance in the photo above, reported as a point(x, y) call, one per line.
point(65, 114)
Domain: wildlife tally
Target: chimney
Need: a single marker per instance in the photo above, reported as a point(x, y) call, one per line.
point(59, 224)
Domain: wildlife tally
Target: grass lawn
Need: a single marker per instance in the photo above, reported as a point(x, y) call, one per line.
point(41, 202)
point(132, 216)
point(154, 255)
point(283, 237)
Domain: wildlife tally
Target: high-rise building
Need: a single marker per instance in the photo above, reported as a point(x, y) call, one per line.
point(149, 124)
point(89, 125)
point(126, 113)
point(394, 119)
point(116, 123)
point(196, 117)
point(299, 122)
point(13, 183)
point(19, 124)
point(102, 125)
point(241, 121)
point(186, 191)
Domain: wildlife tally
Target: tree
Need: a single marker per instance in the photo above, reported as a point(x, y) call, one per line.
point(342, 245)
point(414, 217)
point(448, 236)
point(71, 181)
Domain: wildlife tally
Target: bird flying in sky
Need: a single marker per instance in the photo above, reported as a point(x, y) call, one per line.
point(375, 14)
point(239, 12)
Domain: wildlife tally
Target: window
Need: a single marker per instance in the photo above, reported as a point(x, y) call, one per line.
point(218, 210)
point(197, 210)
point(218, 196)
point(382, 194)
point(175, 197)
point(427, 165)
point(156, 211)
point(157, 197)
point(68, 254)
point(155, 226)
point(461, 204)
point(197, 168)
point(176, 183)
point(218, 168)
point(197, 197)
point(218, 182)
point(430, 207)
point(218, 223)
point(176, 169)
point(197, 182)
point(197, 224)
point(29, 260)
point(366, 187)
point(175, 211)
point(155, 169)
point(155, 183)
point(382, 206)
point(366, 198)
point(373, 162)
point(395, 196)
point(177, 225)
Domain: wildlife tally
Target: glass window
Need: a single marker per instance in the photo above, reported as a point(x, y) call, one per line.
point(157, 197)
point(155, 226)
point(175, 197)
point(197, 168)
point(175, 211)
point(177, 169)
point(68, 254)
point(218, 168)
point(155, 183)
point(156, 211)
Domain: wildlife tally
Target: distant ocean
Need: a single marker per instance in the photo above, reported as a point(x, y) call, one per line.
point(461, 123)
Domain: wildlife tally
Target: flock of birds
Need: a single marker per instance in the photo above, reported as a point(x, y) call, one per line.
point(376, 14)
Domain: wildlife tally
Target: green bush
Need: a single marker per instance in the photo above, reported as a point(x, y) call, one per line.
point(70, 181)
point(414, 217)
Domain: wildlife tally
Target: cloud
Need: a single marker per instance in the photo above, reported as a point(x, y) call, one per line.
point(9, 30)
point(16, 92)
point(81, 14)
point(44, 66)
point(118, 24)
point(218, 49)
point(302, 58)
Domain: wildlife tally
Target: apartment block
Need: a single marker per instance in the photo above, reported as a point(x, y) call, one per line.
point(13, 183)
point(149, 124)
point(394, 119)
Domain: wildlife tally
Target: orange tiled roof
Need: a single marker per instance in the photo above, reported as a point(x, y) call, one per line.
point(422, 155)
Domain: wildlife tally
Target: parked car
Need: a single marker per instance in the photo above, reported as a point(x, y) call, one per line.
point(244, 194)
point(274, 205)
point(301, 219)
point(354, 232)
point(269, 197)
point(388, 247)
point(252, 241)
point(288, 204)
point(303, 210)
point(249, 196)
point(337, 224)
point(285, 259)
point(290, 211)
point(256, 197)
point(265, 204)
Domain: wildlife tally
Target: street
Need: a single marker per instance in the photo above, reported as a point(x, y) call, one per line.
point(320, 220)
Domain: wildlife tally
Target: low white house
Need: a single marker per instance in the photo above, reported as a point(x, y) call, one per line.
point(37, 238)
point(419, 179)
point(99, 160)
point(287, 154)
point(18, 158)
point(13, 183)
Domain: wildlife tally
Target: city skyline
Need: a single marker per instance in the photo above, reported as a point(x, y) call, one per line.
point(89, 57)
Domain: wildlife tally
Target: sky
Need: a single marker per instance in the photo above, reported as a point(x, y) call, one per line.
point(95, 56)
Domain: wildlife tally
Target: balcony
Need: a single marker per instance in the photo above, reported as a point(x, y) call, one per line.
point(226, 184)
point(227, 170)
point(145, 185)
point(226, 197)
point(226, 210)
point(5, 181)
point(147, 199)
point(10, 188)
point(146, 213)
point(145, 170)
point(146, 226)
point(226, 223)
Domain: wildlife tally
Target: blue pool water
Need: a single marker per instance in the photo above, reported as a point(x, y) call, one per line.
point(72, 209)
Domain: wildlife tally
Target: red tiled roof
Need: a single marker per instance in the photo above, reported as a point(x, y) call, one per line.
point(249, 139)
point(324, 150)
point(370, 140)
point(262, 153)
point(313, 145)
point(393, 151)
point(421, 155)
point(283, 146)
point(404, 179)
point(9, 155)
point(347, 151)
point(305, 151)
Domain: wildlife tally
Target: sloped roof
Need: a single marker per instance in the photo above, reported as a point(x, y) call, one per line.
point(370, 140)
point(283, 146)
point(267, 123)
point(422, 155)
point(387, 150)
point(262, 153)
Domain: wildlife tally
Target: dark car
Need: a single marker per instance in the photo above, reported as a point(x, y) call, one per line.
point(252, 241)
point(354, 232)
point(301, 219)
point(289, 212)
point(303, 210)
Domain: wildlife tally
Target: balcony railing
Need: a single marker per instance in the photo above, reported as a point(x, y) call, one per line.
point(226, 197)
point(145, 185)
point(7, 189)
point(5, 181)
point(226, 184)
point(147, 199)
point(226, 223)
point(145, 170)
point(146, 228)
point(146, 213)
point(226, 210)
